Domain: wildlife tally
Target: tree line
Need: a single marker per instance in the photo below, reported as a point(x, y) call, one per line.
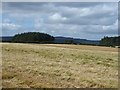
point(37, 37)
point(32, 37)
point(110, 41)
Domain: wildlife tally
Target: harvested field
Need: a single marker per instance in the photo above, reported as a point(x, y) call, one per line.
point(58, 65)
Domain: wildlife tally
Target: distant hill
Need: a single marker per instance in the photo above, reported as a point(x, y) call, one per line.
point(59, 40)
point(6, 38)
point(75, 40)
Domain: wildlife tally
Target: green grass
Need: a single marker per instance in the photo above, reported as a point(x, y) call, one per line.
point(56, 65)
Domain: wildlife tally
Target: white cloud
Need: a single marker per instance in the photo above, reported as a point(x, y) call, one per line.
point(113, 27)
point(57, 17)
point(10, 26)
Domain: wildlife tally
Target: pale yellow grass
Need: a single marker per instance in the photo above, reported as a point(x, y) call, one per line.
point(56, 65)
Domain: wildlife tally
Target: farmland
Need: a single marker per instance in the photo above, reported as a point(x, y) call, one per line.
point(58, 65)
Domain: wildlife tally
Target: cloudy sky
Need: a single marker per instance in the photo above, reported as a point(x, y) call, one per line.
point(86, 20)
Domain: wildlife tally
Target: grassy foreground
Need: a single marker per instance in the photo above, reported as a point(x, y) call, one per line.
point(51, 66)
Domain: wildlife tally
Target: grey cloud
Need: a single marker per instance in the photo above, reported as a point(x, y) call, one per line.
point(77, 4)
point(68, 18)
point(98, 10)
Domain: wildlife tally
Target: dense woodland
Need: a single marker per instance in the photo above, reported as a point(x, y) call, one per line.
point(110, 41)
point(37, 37)
point(32, 37)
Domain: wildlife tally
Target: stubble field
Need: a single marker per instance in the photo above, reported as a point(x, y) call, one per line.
point(58, 66)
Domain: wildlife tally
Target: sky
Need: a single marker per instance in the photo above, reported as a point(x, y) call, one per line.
point(85, 20)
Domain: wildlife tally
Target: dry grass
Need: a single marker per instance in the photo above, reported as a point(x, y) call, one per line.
point(0, 66)
point(50, 66)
